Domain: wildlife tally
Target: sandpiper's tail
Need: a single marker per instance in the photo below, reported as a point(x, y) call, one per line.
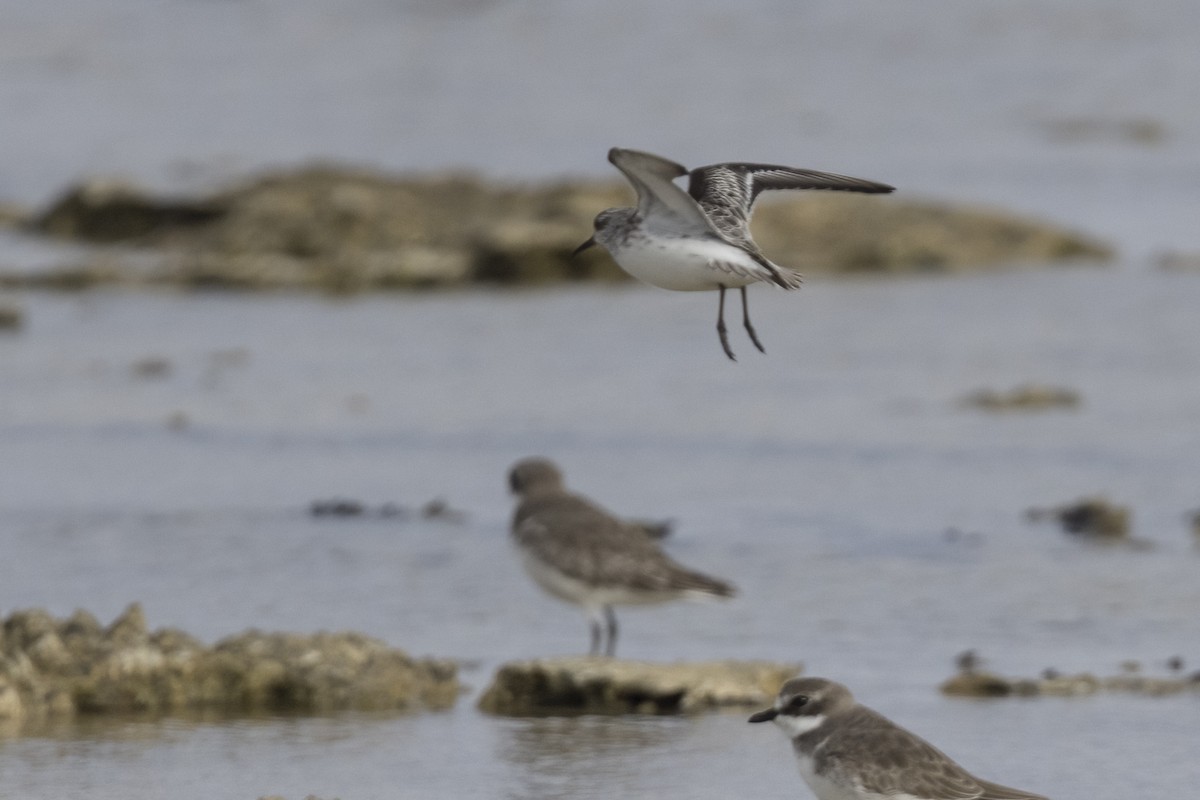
point(785, 278)
point(686, 580)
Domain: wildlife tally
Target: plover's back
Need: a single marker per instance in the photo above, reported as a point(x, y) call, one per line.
point(581, 553)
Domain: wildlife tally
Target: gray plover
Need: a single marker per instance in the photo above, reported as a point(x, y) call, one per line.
point(580, 553)
point(847, 751)
point(700, 240)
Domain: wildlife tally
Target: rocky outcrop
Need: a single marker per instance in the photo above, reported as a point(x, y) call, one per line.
point(1093, 518)
point(985, 684)
point(611, 686)
point(52, 667)
point(861, 234)
point(114, 211)
point(338, 229)
point(1028, 397)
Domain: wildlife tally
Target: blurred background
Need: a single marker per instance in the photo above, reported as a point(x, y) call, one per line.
point(165, 446)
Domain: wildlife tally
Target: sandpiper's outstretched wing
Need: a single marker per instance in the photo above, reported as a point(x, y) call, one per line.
point(660, 201)
point(726, 192)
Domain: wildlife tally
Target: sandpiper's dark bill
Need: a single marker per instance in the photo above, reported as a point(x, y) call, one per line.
point(699, 240)
point(846, 751)
point(580, 553)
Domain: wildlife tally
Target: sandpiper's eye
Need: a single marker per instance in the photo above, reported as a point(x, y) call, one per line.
point(796, 703)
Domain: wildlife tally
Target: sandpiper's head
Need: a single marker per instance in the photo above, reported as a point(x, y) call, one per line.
point(532, 475)
point(804, 704)
point(611, 225)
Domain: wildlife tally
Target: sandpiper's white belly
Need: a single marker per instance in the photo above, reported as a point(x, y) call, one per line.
point(688, 264)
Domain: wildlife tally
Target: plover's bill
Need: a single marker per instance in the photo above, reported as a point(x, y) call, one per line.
point(700, 239)
point(849, 752)
point(580, 553)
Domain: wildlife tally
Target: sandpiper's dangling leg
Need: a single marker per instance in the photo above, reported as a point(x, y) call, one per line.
point(721, 324)
point(746, 322)
point(611, 619)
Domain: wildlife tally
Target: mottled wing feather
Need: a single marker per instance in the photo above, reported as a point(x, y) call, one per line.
point(726, 192)
point(773, 176)
point(891, 761)
point(661, 203)
point(581, 540)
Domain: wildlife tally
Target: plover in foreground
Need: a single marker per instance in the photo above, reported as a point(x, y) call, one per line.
point(580, 553)
point(700, 239)
point(849, 752)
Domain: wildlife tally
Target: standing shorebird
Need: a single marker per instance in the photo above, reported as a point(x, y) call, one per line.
point(580, 553)
point(700, 240)
point(849, 752)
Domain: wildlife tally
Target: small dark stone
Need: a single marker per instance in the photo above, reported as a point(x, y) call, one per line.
point(967, 661)
point(337, 507)
point(1092, 517)
point(11, 317)
point(978, 684)
point(151, 367)
point(439, 509)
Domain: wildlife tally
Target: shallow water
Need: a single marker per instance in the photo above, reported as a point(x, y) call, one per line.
point(820, 478)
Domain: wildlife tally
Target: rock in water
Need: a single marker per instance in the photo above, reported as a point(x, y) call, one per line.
point(51, 667)
point(612, 686)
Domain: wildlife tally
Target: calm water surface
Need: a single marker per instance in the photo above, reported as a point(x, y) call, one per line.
point(820, 478)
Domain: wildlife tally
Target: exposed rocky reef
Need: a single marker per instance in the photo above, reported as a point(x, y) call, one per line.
point(611, 686)
point(340, 229)
point(1027, 397)
point(986, 684)
point(1093, 518)
point(62, 667)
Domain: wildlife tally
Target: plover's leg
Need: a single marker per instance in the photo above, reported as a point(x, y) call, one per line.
point(610, 620)
point(721, 324)
point(746, 322)
point(597, 632)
